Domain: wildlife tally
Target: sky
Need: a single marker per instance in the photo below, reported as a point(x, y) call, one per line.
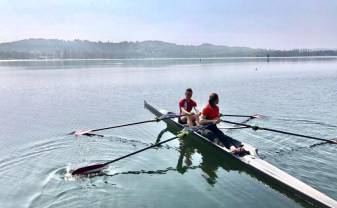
point(277, 24)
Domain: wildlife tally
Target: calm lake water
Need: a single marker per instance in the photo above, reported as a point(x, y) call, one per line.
point(41, 101)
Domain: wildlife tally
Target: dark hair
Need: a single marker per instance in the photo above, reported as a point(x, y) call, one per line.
point(189, 90)
point(212, 98)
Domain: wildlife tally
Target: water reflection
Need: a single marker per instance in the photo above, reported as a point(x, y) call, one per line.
point(150, 62)
point(212, 161)
point(194, 154)
point(209, 162)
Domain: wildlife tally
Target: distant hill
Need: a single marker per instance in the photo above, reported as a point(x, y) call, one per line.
point(83, 49)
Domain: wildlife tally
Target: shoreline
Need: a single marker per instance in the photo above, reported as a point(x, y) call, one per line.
point(164, 59)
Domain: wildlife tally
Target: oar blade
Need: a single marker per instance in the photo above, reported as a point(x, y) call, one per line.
point(82, 132)
point(259, 116)
point(334, 141)
point(91, 169)
point(71, 133)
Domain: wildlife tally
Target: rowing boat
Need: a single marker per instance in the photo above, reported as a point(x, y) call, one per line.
point(260, 167)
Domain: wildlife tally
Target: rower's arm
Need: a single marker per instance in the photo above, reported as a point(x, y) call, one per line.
point(204, 121)
point(197, 111)
point(184, 111)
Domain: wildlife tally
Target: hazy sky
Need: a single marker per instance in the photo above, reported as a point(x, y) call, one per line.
point(255, 23)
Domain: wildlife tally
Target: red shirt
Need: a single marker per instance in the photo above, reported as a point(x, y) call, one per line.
point(210, 112)
point(187, 104)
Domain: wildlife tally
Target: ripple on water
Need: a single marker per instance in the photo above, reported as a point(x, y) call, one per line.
point(312, 165)
point(46, 167)
point(47, 180)
point(60, 189)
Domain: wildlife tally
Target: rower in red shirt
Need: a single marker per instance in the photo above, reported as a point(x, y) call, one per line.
point(210, 116)
point(186, 105)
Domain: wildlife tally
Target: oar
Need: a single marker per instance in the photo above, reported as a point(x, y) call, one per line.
point(98, 167)
point(164, 117)
point(89, 132)
point(243, 116)
point(332, 141)
point(249, 118)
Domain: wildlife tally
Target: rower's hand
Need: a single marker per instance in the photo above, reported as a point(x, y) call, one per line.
point(216, 121)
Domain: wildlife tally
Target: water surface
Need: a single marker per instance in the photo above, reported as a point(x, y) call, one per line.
point(43, 100)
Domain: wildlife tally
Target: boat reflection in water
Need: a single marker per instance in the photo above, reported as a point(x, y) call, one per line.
point(213, 161)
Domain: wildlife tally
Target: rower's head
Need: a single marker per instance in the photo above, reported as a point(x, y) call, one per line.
point(188, 93)
point(213, 99)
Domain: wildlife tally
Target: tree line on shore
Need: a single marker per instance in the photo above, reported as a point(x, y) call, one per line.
point(83, 49)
